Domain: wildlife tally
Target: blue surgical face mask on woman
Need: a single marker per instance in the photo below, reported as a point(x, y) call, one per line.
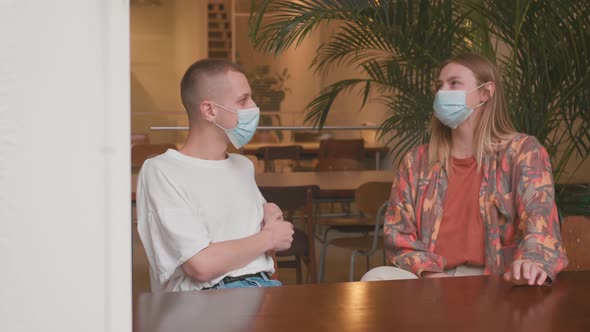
point(450, 106)
point(242, 133)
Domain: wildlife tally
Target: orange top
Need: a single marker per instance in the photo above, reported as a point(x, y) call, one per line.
point(461, 236)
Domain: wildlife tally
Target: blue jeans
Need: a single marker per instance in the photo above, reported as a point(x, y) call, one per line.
point(249, 282)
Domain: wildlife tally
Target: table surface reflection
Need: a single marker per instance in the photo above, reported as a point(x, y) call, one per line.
point(450, 304)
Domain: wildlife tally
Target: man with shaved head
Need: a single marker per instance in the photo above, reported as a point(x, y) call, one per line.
point(202, 220)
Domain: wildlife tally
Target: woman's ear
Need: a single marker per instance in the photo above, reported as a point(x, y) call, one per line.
point(487, 91)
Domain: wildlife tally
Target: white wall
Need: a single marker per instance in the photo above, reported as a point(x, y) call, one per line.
point(65, 236)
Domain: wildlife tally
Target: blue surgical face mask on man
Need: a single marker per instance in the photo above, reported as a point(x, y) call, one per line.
point(450, 106)
point(242, 133)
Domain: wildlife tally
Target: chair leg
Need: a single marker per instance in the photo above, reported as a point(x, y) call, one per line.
point(298, 269)
point(322, 263)
point(322, 267)
point(351, 267)
point(367, 261)
point(325, 235)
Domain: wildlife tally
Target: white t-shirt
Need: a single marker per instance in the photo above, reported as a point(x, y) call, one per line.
point(186, 203)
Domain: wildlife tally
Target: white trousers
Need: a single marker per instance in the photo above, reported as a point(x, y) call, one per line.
point(394, 273)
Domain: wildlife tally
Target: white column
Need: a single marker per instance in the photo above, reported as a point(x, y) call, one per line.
point(65, 236)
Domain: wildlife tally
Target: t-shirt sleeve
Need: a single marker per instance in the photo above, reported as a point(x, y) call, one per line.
point(170, 229)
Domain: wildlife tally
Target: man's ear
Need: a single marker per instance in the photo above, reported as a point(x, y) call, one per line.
point(206, 109)
point(487, 91)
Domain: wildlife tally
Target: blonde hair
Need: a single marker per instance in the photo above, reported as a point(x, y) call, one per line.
point(494, 126)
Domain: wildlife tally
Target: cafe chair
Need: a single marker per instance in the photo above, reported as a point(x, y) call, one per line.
point(365, 245)
point(142, 152)
point(342, 148)
point(575, 233)
point(366, 227)
point(338, 165)
point(271, 154)
point(297, 204)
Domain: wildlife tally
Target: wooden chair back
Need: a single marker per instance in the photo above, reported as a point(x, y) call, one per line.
point(272, 153)
point(338, 165)
point(342, 148)
point(370, 196)
point(371, 199)
point(290, 200)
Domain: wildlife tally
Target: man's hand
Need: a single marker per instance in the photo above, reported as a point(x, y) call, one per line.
point(279, 232)
point(272, 213)
point(525, 272)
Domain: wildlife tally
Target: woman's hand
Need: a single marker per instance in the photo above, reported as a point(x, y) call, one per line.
point(525, 272)
point(434, 275)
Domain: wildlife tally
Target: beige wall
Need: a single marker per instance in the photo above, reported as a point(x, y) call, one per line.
point(165, 40)
point(582, 174)
point(302, 82)
point(347, 107)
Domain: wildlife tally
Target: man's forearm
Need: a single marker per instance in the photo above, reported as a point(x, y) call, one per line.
point(222, 257)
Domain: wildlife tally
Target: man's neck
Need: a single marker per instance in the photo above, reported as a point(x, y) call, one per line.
point(203, 143)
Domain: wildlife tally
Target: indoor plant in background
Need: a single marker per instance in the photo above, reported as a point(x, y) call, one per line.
point(541, 47)
point(268, 91)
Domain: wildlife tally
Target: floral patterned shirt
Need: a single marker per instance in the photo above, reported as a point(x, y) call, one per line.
point(516, 201)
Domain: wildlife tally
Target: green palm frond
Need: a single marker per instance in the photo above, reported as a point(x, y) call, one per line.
point(321, 105)
point(353, 44)
point(291, 22)
point(395, 45)
point(542, 48)
point(546, 69)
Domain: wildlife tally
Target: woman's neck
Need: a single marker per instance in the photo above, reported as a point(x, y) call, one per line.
point(462, 139)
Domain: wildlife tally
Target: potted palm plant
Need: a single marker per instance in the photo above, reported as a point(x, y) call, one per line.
point(268, 91)
point(541, 47)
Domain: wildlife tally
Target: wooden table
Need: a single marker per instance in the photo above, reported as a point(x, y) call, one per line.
point(447, 304)
point(332, 184)
point(310, 149)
